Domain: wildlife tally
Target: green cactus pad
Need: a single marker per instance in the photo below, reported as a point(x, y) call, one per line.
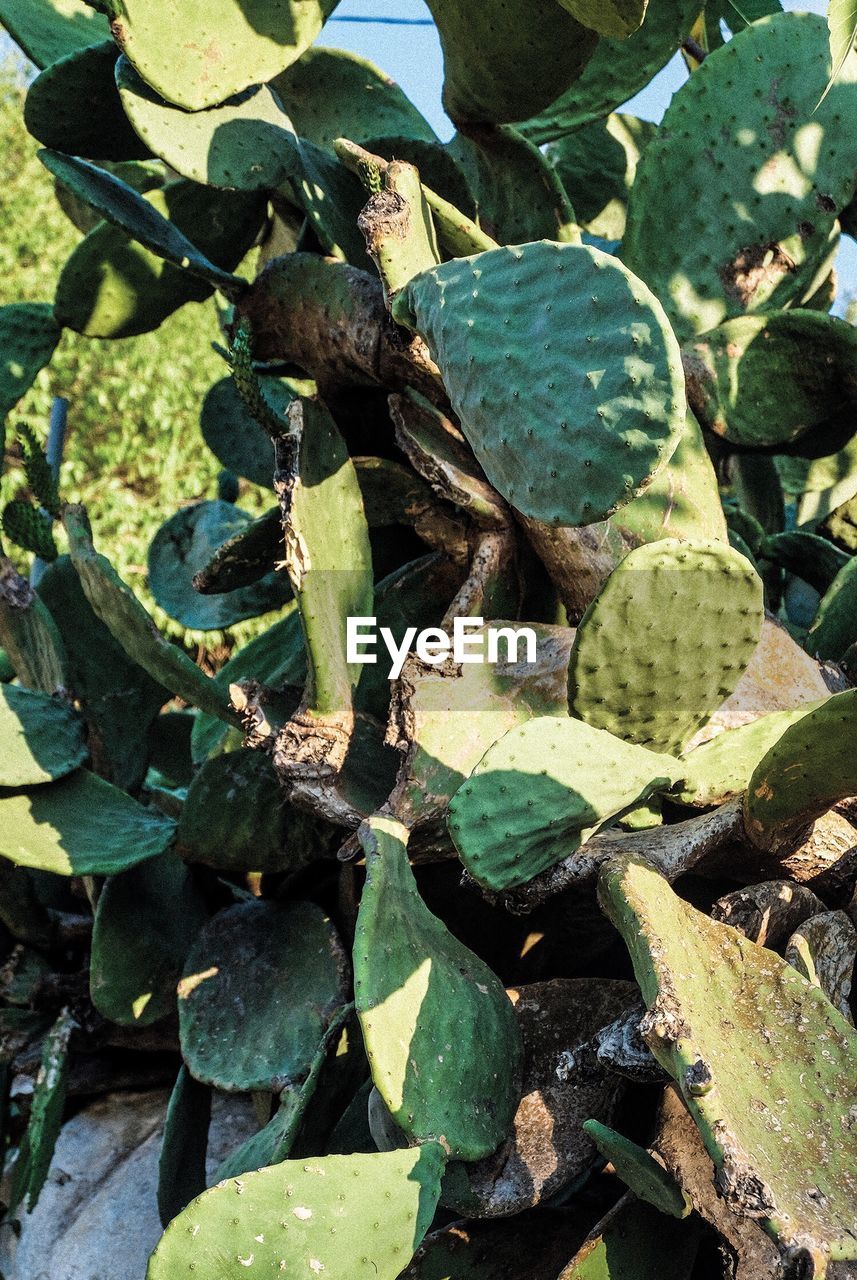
point(303, 1103)
point(332, 197)
point(183, 546)
point(562, 353)
point(234, 436)
point(699, 606)
point(440, 173)
point(518, 195)
point(47, 30)
point(683, 500)
point(616, 71)
point(717, 999)
point(736, 375)
point(540, 792)
point(36, 1149)
point(639, 1170)
point(181, 1165)
point(41, 738)
point(74, 106)
point(835, 625)
point(238, 144)
point(262, 983)
point(235, 816)
point(340, 1217)
point(760, 215)
point(806, 555)
point(447, 722)
point(28, 337)
point(330, 93)
point(806, 771)
point(597, 165)
point(210, 50)
point(723, 766)
point(111, 287)
point(617, 18)
point(163, 221)
point(97, 667)
point(506, 60)
point(80, 826)
point(636, 1242)
point(327, 555)
point(121, 612)
point(145, 922)
point(415, 987)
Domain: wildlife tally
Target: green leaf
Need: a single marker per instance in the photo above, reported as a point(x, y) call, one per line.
point(46, 1112)
point(718, 1002)
point(338, 1217)
point(48, 30)
point(79, 826)
point(145, 923)
point(126, 208)
point(28, 337)
point(415, 987)
point(842, 22)
point(262, 983)
point(41, 738)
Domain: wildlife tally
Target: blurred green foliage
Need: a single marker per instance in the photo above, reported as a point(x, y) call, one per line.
point(134, 452)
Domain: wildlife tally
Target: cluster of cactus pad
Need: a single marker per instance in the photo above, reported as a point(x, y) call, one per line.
point(533, 968)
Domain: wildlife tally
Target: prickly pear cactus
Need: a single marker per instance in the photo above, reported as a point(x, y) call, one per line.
point(529, 572)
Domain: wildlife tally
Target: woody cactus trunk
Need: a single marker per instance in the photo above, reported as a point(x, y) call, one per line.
point(533, 966)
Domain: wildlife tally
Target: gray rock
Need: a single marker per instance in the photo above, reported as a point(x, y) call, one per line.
point(97, 1217)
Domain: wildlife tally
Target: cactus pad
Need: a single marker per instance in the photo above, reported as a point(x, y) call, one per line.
point(561, 353)
point(699, 605)
point(415, 987)
point(340, 1217)
point(616, 71)
point(47, 30)
point(736, 374)
point(235, 817)
point(115, 604)
point(262, 983)
point(74, 106)
point(203, 53)
point(806, 771)
point(597, 164)
point(330, 93)
point(448, 720)
point(506, 59)
point(218, 221)
point(639, 1170)
point(41, 738)
point(183, 546)
point(636, 1242)
point(835, 626)
point(540, 792)
point(723, 766)
point(238, 144)
point(145, 922)
point(518, 195)
point(761, 213)
point(97, 666)
point(28, 336)
point(80, 826)
point(716, 999)
point(682, 501)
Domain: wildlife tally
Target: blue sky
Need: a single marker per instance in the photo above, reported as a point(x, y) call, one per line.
point(411, 55)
